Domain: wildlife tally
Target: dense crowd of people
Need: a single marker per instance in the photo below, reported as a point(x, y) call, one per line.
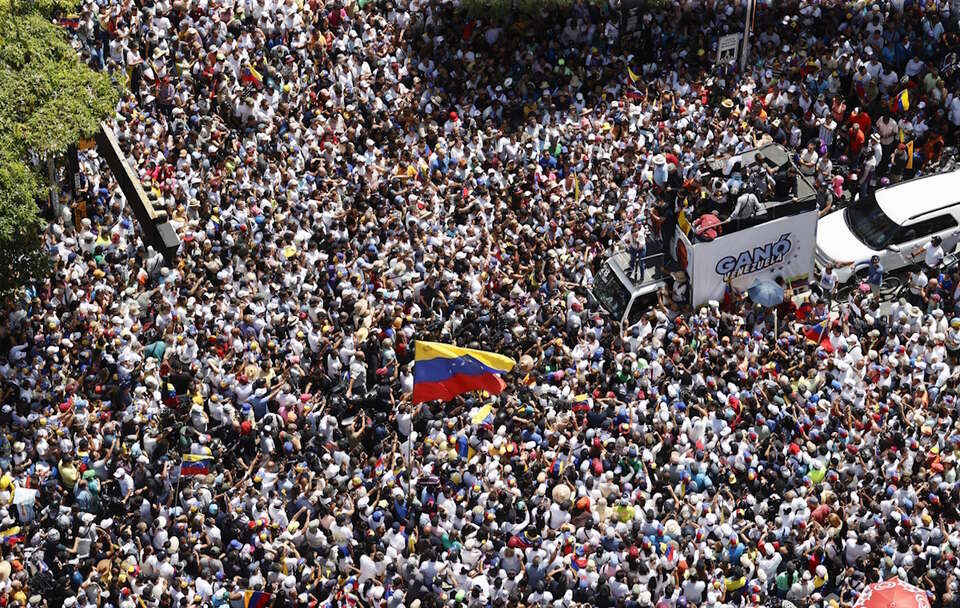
point(347, 178)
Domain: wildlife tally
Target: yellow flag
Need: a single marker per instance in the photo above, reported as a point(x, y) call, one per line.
point(910, 155)
point(633, 77)
point(481, 414)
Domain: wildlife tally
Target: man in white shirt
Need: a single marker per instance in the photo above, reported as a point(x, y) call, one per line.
point(747, 206)
point(808, 159)
point(932, 253)
point(953, 107)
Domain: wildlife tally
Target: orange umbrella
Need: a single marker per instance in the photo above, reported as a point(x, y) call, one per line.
point(892, 593)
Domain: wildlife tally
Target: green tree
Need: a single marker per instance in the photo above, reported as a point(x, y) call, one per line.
point(521, 8)
point(48, 101)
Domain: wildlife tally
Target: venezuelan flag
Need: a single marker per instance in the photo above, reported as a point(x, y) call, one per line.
point(582, 403)
point(11, 536)
point(248, 75)
point(71, 22)
point(256, 599)
point(631, 76)
point(819, 335)
point(443, 371)
point(195, 465)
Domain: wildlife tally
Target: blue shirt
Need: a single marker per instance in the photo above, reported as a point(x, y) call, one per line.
point(660, 174)
point(875, 274)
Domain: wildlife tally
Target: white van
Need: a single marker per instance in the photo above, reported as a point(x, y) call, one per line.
point(893, 224)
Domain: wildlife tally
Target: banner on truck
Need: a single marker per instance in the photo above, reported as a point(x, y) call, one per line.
point(780, 248)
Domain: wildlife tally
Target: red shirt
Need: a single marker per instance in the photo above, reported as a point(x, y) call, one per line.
point(856, 140)
point(862, 119)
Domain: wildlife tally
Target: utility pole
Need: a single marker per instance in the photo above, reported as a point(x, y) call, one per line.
point(751, 6)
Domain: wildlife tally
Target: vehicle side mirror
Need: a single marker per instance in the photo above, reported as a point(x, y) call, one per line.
point(893, 248)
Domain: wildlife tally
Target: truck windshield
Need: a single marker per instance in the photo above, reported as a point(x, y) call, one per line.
point(610, 292)
point(870, 224)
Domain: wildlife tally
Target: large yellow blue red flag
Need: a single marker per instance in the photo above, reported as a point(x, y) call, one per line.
point(443, 371)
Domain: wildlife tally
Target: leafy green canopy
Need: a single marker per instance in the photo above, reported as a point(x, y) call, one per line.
point(48, 101)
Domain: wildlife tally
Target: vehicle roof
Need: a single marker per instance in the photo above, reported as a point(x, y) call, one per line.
point(907, 200)
point(779, 157)
point(621, 261)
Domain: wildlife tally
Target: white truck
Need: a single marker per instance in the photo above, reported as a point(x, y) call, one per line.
point(780, 243)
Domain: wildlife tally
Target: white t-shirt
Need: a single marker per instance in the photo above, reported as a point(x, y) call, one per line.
point(828, 281)
point(693, 591)
point(932, 255)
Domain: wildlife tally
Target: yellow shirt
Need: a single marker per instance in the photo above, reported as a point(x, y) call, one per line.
point(735, 583)
point(69, 475)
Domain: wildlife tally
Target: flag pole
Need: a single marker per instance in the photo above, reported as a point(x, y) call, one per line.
point(176, 492)
point(747, 26)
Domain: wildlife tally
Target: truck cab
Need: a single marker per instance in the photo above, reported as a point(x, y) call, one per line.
point(624, 297)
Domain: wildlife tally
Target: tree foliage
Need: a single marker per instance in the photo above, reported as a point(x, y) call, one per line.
point(536, 8)
point(48, 101)
point(500, 8)
point(22, 258)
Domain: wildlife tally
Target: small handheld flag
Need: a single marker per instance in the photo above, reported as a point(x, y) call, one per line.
point(819, 335)
point(256, 599)
point(903, 100)
point(70, 22)
point(481, 414)
point(633, 77)
point(10, 536)
point(250, 76)
point(195, 465)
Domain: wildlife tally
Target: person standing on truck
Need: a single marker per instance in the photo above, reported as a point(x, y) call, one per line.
point(824, 199)
point(748, 205)
point(808, 159)
point(761, 179)
point(708, 225)
point(637, 246)
point(681, 288)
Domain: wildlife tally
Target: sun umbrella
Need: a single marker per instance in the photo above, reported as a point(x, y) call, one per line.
point(765, 293)
point(892, 593)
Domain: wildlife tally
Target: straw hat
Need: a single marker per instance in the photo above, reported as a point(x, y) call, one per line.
point(561, 493)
